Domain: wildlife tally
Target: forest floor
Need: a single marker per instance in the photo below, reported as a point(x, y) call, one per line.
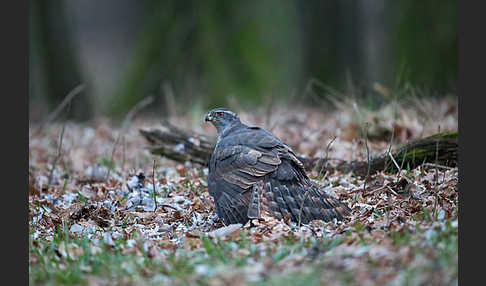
point(95, 219)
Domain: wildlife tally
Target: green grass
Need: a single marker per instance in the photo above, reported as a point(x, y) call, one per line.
point(433, 247)
point(111, 264)
point(69, 269)
point(218, 256)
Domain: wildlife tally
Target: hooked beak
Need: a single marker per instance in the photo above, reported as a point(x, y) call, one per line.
point(208, 117)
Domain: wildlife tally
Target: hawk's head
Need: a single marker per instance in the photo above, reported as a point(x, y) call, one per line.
point(222, 118)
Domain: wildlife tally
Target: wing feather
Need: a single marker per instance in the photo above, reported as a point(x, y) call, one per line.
point(232, 161)
point(252, 171)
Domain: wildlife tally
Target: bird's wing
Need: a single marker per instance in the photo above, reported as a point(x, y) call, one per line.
point(244, 166)
point(242, 191)
point(239, 164)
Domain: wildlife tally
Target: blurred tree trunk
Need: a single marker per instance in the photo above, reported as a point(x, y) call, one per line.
point(373, 49)
point(244, 49)
point(54, 68)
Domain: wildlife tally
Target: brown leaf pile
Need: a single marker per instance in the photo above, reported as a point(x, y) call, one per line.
point(106, 205)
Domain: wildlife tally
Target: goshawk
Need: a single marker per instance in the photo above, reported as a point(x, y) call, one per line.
point(252, 171)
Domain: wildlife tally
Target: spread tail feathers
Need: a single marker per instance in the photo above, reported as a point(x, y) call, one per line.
point(295, 202)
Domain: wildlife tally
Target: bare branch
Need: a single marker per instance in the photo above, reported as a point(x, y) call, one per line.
point(438, 166)
point(58, 156)
point(436, 175)
point(368, 158)
point(153, 183)
point(53, 115)
point(394, 162)
point(326, 157)
point(59, 151)
point(128, 118)
point(390, 146)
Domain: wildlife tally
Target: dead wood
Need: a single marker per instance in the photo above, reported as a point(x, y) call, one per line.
point(186, 145)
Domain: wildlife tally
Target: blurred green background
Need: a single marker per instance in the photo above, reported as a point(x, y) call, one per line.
point(201, 54)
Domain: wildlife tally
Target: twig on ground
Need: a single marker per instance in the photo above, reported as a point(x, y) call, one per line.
point(368, 158)
point(388, 200)
point(53, 115)
point(128, 118)
point(124, 143)
point(58, 156)
point(401, 166)
point(153, 183)
point(436, 174)
point(390, 146)
point(326, 157)
point(394, 162)
point(398, 167)
point(59, 150)
point(168, 206)
point(436, 161)
point(403, 160)
point(392, 191)
point(439, 166)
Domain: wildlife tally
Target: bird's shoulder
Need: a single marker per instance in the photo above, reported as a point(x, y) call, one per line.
point(250, 136)
point(252, 144)
point(246, 145)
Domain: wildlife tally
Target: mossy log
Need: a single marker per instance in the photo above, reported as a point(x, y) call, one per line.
point(439, 149)
point(184, 145)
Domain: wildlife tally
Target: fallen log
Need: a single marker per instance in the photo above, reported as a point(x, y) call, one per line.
point(439, 149)
point(178, 144)
point(185, 145)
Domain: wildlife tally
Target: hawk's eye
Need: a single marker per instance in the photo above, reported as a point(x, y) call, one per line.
point(219, 114)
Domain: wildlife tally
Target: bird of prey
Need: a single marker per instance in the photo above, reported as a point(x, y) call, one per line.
point(251, 172)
